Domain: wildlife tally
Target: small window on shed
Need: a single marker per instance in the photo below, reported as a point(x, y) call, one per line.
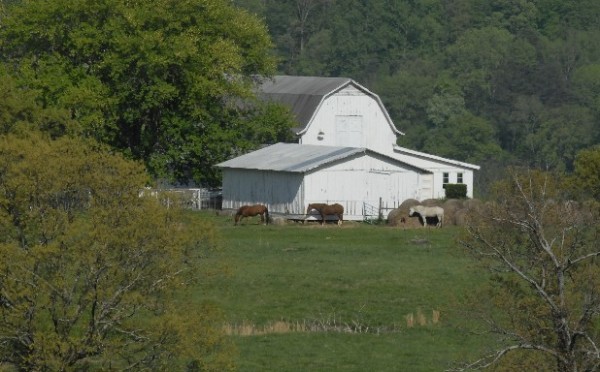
point(459, 178)
point(446, 176)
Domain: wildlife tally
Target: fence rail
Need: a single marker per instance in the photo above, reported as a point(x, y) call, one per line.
point(201, 198)
point(188, 198)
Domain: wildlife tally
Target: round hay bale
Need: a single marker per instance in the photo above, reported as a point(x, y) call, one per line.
point(432, 202)
point(394, 217)
point(408, 203)
point(451, 206)
point(453, 203)
point(399, 216)
point(413, 222)
point(472, 204)
point(449, 212)
point(460, 217)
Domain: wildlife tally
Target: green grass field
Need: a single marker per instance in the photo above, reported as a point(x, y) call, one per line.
point(352, 298)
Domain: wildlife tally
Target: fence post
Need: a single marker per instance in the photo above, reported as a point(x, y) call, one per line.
point(380, 215)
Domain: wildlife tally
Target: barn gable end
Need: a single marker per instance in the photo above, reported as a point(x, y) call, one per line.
point(333, 111)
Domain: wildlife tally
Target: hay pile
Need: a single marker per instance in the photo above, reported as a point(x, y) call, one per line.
point(399, 216)
point(455, 211)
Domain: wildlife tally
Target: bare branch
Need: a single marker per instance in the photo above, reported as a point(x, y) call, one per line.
point(584, 257)
point(491, 359)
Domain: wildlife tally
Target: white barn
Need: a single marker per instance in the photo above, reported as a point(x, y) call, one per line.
point(339, 113)
point(287, 177)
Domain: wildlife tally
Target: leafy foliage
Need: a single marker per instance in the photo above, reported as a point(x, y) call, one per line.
point(456, 190)
point(586, 177)
point(527, 71)
point(91, 274)
point(156, 79)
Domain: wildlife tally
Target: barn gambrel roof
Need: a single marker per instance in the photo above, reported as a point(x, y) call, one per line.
point(304, 95)
point(296, 158)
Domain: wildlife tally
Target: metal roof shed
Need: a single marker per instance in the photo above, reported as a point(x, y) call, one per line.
point(287, 177)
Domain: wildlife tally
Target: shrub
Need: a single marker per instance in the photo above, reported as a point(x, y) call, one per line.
point(456, 190)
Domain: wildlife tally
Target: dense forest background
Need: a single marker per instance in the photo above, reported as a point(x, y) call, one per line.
point(492, 82)
point(495, 83)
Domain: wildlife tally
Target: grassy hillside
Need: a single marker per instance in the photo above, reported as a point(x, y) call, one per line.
point(355, 298)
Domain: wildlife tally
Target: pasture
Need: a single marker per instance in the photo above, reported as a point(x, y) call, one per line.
point(351, 298)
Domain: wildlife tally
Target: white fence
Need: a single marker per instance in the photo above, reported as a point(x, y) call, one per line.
point(189, 197)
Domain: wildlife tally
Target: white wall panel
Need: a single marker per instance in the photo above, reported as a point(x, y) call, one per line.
point(350, 102)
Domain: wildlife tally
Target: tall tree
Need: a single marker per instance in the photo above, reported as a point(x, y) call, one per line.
point(93, 276)
point(158, 79)
point(544, 300)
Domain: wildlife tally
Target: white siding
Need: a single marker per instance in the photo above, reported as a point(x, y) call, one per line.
point(363, 112)
point(359, 183)
point(280, 191)
point(439, 168)
point(426, 184)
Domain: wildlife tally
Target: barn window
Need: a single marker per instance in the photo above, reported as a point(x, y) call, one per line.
point(459, 178)
point(446, 176)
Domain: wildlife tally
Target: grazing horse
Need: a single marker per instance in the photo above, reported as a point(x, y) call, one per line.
point(328, 210)
point(425, 212)
point(253, 210)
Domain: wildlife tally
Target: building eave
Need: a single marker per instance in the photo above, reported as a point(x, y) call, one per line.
point(422, 155)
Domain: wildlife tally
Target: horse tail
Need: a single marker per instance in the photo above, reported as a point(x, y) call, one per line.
point(266, 215)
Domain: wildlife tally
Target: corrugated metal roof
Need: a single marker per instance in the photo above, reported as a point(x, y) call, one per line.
point(290, 157)
point(302, 94)
point(297, 158)
point(435, 157)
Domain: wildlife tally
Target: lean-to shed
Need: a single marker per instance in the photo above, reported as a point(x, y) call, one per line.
point(444, 170)
point(287, 177)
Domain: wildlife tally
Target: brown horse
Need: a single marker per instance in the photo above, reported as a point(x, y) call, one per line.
point(328, 210)
point(253, 210)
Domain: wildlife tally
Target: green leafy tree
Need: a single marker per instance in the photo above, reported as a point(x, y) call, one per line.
point(561, 134)
point(405, 95)
point(543, 302)
point(269, 123)
point(586, 86)
point(480, 58)
point(92, 275)
point(464, 137)
point(157, 79)
point(586, 176)
point(21, 111)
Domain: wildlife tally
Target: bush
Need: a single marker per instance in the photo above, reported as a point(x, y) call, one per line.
point(91, 274)
point(456, 190)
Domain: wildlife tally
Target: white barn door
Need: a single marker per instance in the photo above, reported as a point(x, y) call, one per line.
point(349, 130)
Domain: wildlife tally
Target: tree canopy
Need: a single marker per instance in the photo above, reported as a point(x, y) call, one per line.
point(523, 74)
point(159, 80)
point(91, 274)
